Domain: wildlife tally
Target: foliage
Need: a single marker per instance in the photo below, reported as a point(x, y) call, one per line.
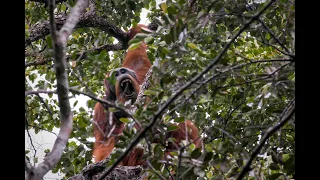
point(233, 104)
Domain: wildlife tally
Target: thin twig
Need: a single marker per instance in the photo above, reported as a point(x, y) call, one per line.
point(166, 167)
point(45, 104)
point(37, 127)
point(39, 91)
point(154, 170)
point(79, 78)
point(226, 70)
point(274, 36)
point(275, 47)
point(106, 102)
point(255, 80)
point(31, 142)
point(180, 154)
point(179, 161)
point(233, 110)
point(99, 128)
point(234, 139)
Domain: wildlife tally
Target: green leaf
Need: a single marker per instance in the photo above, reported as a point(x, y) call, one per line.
point(289, 167)
point(179, 119)
point(162, 43)
point(35, 159)
point(133, 46)
point(274, 166)
point(163, 6)
point(149, 40)
point(168, 38)
point(29, 101)
point(81, 109)
point(172, 10)
point(274, 176)
point(124, 120)
point(102, 55)
point(202, 100)
point(75, 103)
point(151, 92)
point(173, 140)
point(172, 128)
point(208, 157)
point(196, 153)
point(55, 170)
point(158, 21)
point(146, 30)
point(192, 46)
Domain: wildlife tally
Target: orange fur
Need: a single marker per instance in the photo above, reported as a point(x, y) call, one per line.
point(180, 134)
point(137, 61)
point(102, 146)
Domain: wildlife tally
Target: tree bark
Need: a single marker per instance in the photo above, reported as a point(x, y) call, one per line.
point(94, 171)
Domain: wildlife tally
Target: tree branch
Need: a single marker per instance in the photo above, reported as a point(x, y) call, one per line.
point(39, 91)
point(59, 40)
point(274, 36)
point(37, 127)
point(92, 172)
point(103, 101)
point(154, 170)
point(45, 104)
point(88, 19)
point(80, 56)
point(92, 96)
point(269, 132)
point(35, 151)
point(275, 47)
point(234, 139)
point(229, 69)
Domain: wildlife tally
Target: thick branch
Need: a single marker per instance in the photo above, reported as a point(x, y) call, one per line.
point(41, 30)
point(192, 81)
point(265, 137)
point(72, 20)
point(88, 19)
point(92, 172)
point(59, 40)
point(80, 56)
